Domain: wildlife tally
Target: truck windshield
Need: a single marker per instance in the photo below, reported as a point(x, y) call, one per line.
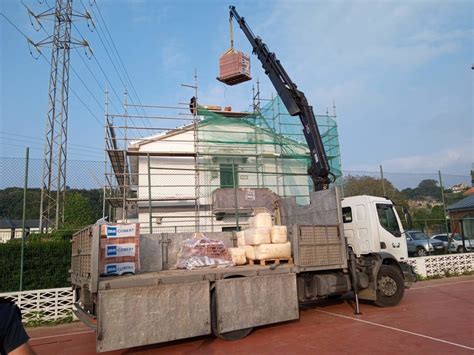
point(387, 219)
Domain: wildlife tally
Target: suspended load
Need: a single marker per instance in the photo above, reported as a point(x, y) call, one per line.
point(234, 66)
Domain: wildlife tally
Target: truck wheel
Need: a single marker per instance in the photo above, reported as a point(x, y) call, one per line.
point(233, 335)
point(461, 249)
point(390, 286)
point(421, 252)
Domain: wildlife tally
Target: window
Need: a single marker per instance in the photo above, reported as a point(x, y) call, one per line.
point(346, 214)
point(231, 229)
point(228, 175)
point(387, 219)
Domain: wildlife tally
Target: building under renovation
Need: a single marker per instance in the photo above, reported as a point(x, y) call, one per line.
point(205, 174)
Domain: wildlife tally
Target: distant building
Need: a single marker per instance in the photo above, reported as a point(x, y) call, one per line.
point(469, 191)
point(461, 215)
point(12, 228)
point(459, 187)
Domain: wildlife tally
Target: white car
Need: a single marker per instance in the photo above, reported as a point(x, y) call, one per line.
point(455, 242)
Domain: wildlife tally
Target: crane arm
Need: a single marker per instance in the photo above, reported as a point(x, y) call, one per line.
point(295, 102)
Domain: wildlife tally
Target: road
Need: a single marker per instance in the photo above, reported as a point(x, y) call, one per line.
point(435, 316)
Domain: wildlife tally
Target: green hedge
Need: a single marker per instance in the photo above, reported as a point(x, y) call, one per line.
point(46, 265)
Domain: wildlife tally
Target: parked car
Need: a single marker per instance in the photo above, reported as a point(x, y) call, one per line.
point(419, 244)
point(455, 242)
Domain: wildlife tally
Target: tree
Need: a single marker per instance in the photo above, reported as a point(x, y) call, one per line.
point(426, 188)
point(77, 211)
point(368, 185)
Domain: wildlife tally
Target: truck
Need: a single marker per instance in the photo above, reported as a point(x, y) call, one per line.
point(353, 245)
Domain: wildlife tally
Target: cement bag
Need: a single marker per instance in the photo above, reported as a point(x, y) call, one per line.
point(273, 251)
point(279, 234)
point(261, 220)
point(240, 238)
point(256, 236)
point(249, 251)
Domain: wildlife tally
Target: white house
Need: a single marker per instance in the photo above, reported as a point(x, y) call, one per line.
point(174, 174)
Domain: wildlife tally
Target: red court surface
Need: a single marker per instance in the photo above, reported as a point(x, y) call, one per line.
point(434, 317)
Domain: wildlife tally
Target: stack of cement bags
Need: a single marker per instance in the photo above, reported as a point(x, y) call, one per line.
point(262, 241)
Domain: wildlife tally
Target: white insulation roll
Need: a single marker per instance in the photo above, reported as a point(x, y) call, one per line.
point(256, 236)
point(240, 238)
point(249, 251)
point(273, 251)
point(279, 234)
point(261, 220)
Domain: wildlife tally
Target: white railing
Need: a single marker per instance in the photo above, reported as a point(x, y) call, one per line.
point(440, 265)
point(48, 305)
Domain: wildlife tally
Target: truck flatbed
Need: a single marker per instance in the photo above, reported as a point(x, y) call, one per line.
point(184, 276)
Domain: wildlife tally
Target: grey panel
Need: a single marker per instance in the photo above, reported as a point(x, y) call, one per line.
point(253, 301)
point(151, 253)
point(224, 200)
point(316, 231)
point(153, 314)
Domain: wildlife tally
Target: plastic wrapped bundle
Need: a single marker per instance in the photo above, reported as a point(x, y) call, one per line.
point(261, 220)
point(234, 68)
point(238, 256)
point(240, 238)
point(257, 236)
point(273, 251)
point(201, 251)
point(249, 251)
point(279, 234)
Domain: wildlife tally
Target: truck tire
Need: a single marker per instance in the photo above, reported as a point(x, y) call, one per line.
point(390, 286)
point(233, 335)
point(461, 249)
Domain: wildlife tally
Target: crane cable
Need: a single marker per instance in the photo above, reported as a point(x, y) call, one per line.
point(231, 49)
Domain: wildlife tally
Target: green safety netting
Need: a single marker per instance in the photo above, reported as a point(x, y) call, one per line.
point(271, 144)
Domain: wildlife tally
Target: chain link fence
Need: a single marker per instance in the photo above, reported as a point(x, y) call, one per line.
point(46, 259)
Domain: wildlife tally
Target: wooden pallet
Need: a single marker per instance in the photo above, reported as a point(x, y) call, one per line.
point(264, 262)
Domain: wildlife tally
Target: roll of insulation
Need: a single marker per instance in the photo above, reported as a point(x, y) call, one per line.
point(249, 251)
point(256, 236)
point(273, 251)
point(279, 234)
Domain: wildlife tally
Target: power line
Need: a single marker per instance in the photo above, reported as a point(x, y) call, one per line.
point(47, 61)
point(36, 138)
point(28, 139)
point(40, 144)
point(106, 43)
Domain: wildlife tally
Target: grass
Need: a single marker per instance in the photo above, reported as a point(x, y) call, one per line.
point(446, 274)
point(37, 320)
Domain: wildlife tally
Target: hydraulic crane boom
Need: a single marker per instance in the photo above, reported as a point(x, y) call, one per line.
point(295, 102)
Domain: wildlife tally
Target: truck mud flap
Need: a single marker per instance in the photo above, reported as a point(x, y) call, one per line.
point(152, 314)
point(253, 301)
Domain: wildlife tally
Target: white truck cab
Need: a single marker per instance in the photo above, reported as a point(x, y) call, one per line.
point(371, 224)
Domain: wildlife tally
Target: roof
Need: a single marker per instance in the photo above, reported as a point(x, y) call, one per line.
point(466, 203)
point(7, 223)
point(469, 191)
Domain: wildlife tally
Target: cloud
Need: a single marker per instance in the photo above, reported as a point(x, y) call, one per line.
point(456, 160)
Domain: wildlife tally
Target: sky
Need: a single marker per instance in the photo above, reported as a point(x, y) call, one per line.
point(399, 72)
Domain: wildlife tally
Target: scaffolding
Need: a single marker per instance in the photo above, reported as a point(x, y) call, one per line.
point(165, 177)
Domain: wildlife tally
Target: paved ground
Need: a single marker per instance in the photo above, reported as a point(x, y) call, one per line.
point(434, 317)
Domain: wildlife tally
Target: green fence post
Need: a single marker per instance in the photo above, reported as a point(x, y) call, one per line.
point(444, 206)
point(25, 187)
point(383, 182)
